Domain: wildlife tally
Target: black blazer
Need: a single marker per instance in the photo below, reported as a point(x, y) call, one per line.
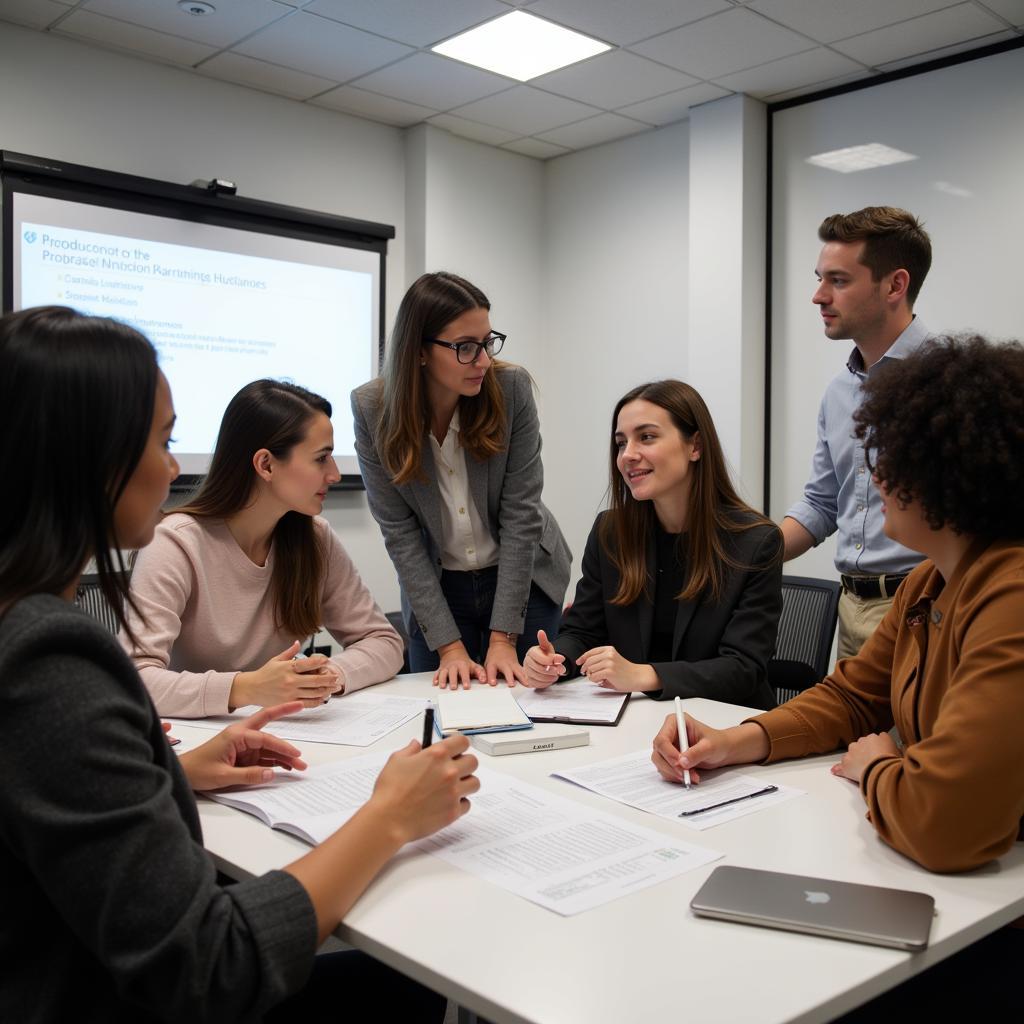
point(721, 649)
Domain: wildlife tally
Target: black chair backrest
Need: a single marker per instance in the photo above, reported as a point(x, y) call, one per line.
point(90, 598)
point(803, 648)
point(395, 618)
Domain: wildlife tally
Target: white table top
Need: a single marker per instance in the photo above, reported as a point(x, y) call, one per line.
point(644, 956)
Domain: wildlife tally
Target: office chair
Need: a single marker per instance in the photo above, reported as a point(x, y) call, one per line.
point(807, 625)
point(395, 618)
point(90, 598)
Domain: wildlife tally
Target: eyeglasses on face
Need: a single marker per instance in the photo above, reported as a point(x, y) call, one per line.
point(469, 351)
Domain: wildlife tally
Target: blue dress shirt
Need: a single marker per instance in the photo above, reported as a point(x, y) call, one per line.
point(839, 494)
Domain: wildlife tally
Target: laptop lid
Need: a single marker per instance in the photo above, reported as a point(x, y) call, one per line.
point(819, 906)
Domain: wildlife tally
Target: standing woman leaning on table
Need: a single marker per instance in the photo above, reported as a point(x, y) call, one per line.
point(449, 447)
point(112, 908)
point(946, 665)
point(236, 576)
point(681, 588)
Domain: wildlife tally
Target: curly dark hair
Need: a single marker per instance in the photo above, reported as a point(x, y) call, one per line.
point(946, 428)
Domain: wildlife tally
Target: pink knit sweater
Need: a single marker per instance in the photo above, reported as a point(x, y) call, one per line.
point(208, 615)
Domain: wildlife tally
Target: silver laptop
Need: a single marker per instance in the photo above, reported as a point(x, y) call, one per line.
point(818, 906)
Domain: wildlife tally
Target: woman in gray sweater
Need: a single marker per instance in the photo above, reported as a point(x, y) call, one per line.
point(112, 909)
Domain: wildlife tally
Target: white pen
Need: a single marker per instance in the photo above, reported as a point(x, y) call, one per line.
point(684, 743)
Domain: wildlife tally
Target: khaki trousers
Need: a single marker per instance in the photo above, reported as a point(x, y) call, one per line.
point(858, 619)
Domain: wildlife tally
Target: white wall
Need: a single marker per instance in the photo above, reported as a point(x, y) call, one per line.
point(965, 126)
point(615, 307)
point(483, 218)
point(728, 210)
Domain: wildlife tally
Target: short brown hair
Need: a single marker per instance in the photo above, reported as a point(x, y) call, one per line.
point(893, 240)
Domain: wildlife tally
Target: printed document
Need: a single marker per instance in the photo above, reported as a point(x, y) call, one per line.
point(356, 720)
point(560, 854)
point(633, 780)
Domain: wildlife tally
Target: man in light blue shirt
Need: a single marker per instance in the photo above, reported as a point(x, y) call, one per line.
point(870, 271)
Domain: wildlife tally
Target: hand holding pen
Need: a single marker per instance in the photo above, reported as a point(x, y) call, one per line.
point(708, 748)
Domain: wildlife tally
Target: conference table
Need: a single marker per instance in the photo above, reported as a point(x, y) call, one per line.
point(645, 956)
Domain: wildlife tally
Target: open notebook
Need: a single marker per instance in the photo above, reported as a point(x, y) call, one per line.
point(480, 709)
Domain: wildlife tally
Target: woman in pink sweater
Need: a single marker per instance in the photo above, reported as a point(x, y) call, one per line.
point(235, 579)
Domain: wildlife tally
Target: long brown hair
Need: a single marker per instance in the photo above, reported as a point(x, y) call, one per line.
point(429, 306)
point(715, 509)
point(274, 415)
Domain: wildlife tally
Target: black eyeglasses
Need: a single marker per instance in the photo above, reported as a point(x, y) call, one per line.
point(469, 351)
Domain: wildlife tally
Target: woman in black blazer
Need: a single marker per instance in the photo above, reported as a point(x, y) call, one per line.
point(681, 587)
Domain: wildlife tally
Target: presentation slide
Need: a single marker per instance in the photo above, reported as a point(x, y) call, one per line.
point(223, 306)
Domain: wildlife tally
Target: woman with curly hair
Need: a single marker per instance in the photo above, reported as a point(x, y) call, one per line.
point(946, 666)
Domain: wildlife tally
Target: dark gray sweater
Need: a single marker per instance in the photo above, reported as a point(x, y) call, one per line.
point(111, 910)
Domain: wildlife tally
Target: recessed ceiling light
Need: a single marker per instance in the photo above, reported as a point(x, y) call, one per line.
point(197, 8)
point(520, 46)
point(860, 158)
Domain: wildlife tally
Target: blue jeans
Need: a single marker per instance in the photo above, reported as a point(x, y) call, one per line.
point(470, 597)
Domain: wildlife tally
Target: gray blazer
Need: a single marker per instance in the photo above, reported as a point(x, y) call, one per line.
point(506, 489)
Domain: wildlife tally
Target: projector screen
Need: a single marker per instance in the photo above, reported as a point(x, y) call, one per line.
point(224, 302)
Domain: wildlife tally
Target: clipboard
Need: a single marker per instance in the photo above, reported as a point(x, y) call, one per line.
point(582, 720)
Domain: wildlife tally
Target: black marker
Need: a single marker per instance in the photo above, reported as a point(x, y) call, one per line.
point(428, 728)
point(734, 800)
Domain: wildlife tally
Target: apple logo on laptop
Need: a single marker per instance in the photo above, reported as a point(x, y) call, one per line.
point(816, 897)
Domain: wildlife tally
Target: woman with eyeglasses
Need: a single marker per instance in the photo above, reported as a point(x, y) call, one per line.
point(682, 581)
point(449, 447)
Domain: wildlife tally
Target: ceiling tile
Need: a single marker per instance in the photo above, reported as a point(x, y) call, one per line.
point(947, 51)
point(613, 80)
point(230, 21)
point(436, 81)
point(724, 43)
point(472, 129)
point(419, 24)
point(618, 22)
point(526, 111)
point(790, 73)
point(34, 13)
point(920, 35)
point(593, 131)
point(111, 32)
point(828, 20)
point(233, 67)
point(373, 106)
point(1011, 10)
point(676, 105)
point(321, 47)
point(536, 148)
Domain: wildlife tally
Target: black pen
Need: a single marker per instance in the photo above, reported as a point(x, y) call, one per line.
point(428, 728)
point(734, 800)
